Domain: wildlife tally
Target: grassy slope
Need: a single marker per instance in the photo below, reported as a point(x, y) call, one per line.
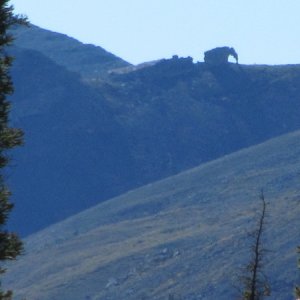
point(183, 235)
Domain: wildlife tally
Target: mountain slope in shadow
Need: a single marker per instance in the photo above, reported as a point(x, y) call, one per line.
point(71, 150)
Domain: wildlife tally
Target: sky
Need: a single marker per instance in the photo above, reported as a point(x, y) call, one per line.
point(261, 31)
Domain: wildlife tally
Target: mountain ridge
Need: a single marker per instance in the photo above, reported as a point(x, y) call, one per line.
point(92, 62)
point(88, 141)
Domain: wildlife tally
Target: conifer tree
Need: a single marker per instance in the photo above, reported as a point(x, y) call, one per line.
point(10, 244)
point(297, 289)
point(255, 283)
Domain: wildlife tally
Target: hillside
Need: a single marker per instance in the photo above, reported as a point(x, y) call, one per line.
point(64, 161)
point(88, 141)
point(182, 114)
point(185, 235)
point(92, 62)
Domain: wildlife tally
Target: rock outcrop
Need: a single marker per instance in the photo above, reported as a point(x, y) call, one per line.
point(220, 55)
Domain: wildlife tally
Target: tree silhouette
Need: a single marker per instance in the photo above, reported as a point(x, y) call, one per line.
point(255, 283)
point(297, 289)
point(10, 244)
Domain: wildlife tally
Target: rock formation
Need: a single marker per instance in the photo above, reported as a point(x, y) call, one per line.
point(219, 56)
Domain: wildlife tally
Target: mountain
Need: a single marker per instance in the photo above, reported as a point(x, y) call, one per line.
point(187, 235)
point(90, 140)
point(92, 62)
point(65, 160)
point(182, 114)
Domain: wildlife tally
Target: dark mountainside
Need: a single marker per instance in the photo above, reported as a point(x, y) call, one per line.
point(183, 114)
point(89, 140)
point(186, 235)
point(66, 124)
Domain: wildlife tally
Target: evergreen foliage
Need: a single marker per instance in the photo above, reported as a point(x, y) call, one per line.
point(10, 244)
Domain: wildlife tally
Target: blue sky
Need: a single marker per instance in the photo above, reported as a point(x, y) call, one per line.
point(261, 31)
